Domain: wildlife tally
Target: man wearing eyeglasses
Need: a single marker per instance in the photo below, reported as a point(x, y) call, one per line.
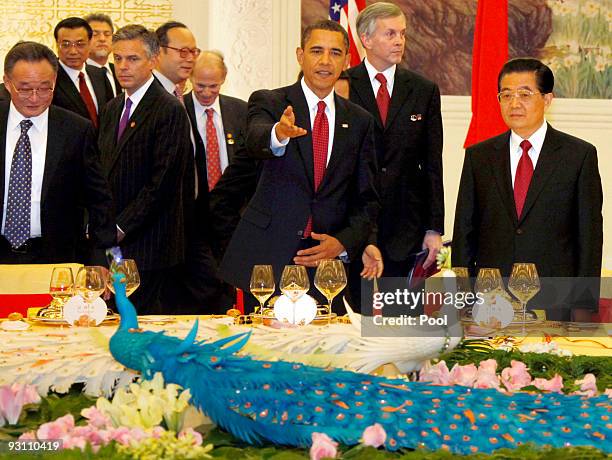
point(532, 194)
point(102, 27)
point(49, 168)
point(81, 88)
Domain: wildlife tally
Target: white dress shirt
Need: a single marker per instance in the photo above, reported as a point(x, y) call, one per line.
point(74, 76)
point(109, 73)
point(38, 139)
point(389, 74)
point(137, 96)
point(201, 119)
point(536, 140)
point(165, 81)
point(312, 100)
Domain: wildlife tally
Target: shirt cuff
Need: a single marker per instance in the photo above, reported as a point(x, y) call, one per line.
point(277, 147)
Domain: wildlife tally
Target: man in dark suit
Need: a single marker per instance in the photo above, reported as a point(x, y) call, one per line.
point(315, 198)
point(80, 88)
point(144, 140)
point(49, 167)
point(408, 138)
point(102, 28)
point(532, 194)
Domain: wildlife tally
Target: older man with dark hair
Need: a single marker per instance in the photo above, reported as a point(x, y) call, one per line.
point(49, 168)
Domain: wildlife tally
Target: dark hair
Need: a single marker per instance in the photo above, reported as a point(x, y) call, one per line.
point(344, 75)
point(162, 31)
point(100, 17)
point(73, 23)
point(29, 52)
point(545, 80)
point(325, 24)
point(139, 32)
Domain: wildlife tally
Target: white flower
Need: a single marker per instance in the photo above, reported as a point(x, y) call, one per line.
point(600, 63)
point(590, 9)
point(571, 60)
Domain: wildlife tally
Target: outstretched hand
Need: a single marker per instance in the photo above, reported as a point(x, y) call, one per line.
point(372, 262)
point(286, 127)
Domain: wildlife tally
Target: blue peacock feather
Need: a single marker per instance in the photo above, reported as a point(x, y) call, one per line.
point(284, 403)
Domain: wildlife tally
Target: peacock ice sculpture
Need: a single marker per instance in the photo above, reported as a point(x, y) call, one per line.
point(284, 403)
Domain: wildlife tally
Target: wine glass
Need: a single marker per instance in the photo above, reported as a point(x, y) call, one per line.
point(330, 279)
point(61, 288)
point(262, 285)
point(90, 282)
point(524, 284)
point(294, 283)
point(489, 281)
point(132, 277)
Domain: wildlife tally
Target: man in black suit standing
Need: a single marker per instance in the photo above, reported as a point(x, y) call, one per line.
point(102, 28)
point(315, 198)
point(144, 140)
point(532, 194)
point(408, 138)
point(80, 88)
point(49, 167)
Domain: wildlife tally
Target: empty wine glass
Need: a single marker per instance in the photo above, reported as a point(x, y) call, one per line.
point(524, 284)
point(61, 288)
point(132, 277)
point(294, 283)
point(330, 279)
point(262, 285)
point(90, 282)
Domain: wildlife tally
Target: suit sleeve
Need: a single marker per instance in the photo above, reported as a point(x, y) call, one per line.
point(433, 165)
point(465, 229)
point(365, 202)
point(98, 197)
point(172, 149)
point(260, 120)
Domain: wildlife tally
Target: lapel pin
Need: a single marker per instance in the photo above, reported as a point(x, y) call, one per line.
point(230, 139)
point(416, 117)
point(345, 125)
point(132, 124)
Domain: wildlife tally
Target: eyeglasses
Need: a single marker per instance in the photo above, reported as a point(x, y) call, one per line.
point(28, 93)
point(80, 45)
point(184, 52)
point(523, 95)
point(106, 33)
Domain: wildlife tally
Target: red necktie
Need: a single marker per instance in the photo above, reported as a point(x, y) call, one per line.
point(178, 92)
point(382, 98)
point(320, 142)
point(213, 160)
point(88, 100)
point(524, 171)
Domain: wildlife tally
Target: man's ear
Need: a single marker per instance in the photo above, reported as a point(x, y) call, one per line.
point(548, 97)
point(299, 53)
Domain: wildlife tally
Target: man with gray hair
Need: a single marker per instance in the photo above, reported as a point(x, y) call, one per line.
point(408, 137)
point(144, 140)
point(102, 26)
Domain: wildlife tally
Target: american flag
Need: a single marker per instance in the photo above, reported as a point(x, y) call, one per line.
point(345, 12)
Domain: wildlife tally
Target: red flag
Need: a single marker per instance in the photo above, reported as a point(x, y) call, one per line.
point(345, 12)
point(489, 55)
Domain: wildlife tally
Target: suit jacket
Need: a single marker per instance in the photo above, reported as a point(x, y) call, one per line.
point(145, 170)
point(560, 229)
point(67, 96)
point(73, 181)
point(344, 205)
point(117, 84)
point(409, 152)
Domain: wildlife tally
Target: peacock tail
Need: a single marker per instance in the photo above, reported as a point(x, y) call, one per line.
point(284, 403)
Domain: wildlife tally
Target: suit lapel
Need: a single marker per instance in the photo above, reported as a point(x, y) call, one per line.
point(401, 91)
point(229, 130)
point(98, 87)
point(296, 98)
point(545, 168)
point(339, 141)
point(361, 89)
point(69, 89)
point(3, 126)
point(54, 151)
point(500, 167)
point(143, 110)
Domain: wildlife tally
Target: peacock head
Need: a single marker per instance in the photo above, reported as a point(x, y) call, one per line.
point(126, 309)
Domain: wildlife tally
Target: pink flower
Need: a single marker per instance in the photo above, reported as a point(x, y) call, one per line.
point(555, 384)
point(322, 447)
point(486, 376)
point(197, 437)
point(437, 374)
point(374, 435)
point(96, 418)
point(516, 376)
point(30, 393)
point(463, 375)
point(58, 429)
point(70, 442)
point(157, 432)
point(122, 435)
point(588, 386)
point(28, 436)
point(10, 405)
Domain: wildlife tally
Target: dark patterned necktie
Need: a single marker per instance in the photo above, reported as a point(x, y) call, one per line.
point(123, 122)
point(18, 206)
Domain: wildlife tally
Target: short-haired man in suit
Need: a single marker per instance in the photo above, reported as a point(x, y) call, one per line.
point(101, 46)
point(49, 167)
point(144, 141)
point(80, 88)
point(315, 198)
point(532, 194)
point(408, 138)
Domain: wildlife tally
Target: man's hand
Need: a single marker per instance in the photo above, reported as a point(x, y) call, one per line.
point(329, 248)
point(286, 127)
point(433, 242)
point(372, 262)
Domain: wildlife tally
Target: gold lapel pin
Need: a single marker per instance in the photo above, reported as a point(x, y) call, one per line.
point(132, 124)
point(345, 125)
point(416, 117)
point(230, 140)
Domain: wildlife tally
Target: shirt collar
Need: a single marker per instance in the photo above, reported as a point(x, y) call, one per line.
point(72, 73)
point(165, 81)
point(312, 99)
point(201, 109)
point(536, 139)
point(39, 122)
point(90, 61)
point(139, 93)
point(389, 72)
